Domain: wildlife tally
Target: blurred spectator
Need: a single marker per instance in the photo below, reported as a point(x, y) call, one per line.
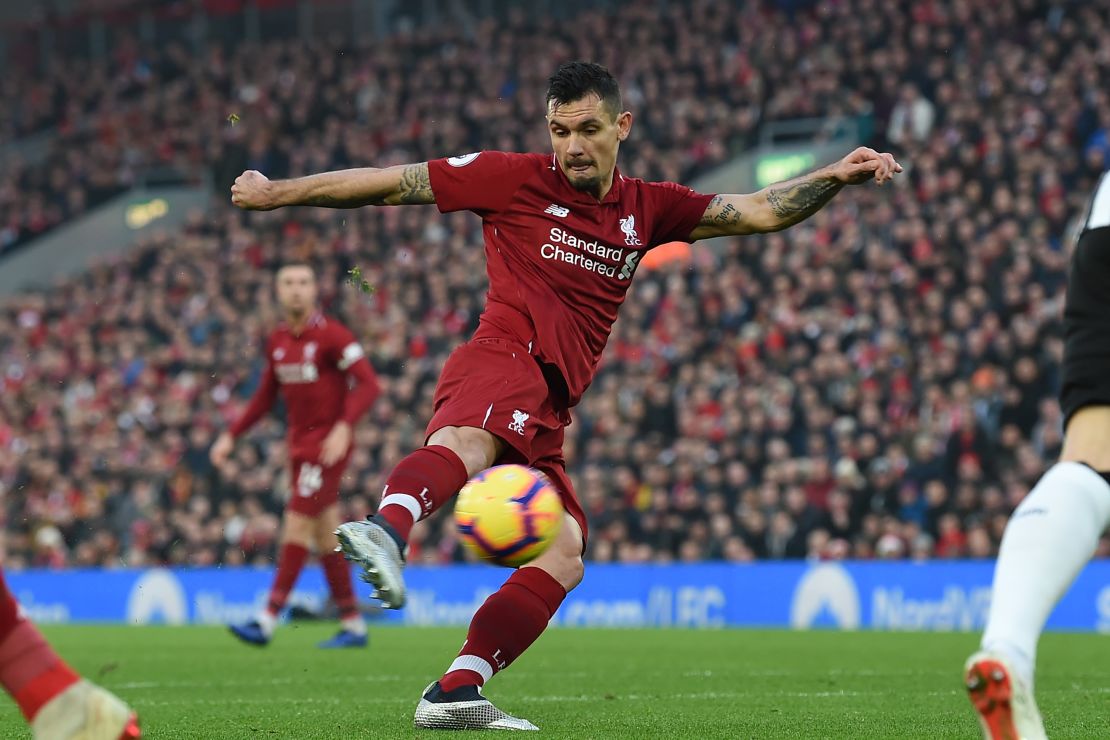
point(912, 118)
point(876, 382)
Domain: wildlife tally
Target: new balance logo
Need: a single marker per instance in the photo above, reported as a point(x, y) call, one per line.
point(517, 424)
point(555, 210)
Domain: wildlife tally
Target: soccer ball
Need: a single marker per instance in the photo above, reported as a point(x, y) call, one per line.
point(508, 514)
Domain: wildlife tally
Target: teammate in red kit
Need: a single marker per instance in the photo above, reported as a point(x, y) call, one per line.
point(564, 233)
point(327, 384)
point(55, 701)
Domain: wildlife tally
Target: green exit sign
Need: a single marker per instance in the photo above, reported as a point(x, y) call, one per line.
point(775, 167)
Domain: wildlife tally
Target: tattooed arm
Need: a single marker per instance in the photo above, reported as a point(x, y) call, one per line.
point(774, 208)
point(366, 186)
point(784, 204)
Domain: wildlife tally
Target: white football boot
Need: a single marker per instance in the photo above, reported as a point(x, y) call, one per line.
point(463, 709)
point(376, 548)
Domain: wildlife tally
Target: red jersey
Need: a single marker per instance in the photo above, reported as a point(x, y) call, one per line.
point(313, 370)
point(560, 262)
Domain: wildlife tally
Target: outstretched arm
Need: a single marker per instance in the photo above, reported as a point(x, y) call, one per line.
point(784, 204)
point(406, 184)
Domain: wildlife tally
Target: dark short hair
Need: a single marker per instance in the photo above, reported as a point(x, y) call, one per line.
point(296, 263)
point(575, 80)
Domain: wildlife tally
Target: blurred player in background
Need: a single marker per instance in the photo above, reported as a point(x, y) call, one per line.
point(564, 233)
point(1055, 530)
point(58, 703)
point(327, 384)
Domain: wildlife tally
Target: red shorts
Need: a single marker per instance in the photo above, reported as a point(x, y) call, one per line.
point(315, 487)
point(496, 385)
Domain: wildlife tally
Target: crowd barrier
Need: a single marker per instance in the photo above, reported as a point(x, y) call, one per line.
point(936, 595)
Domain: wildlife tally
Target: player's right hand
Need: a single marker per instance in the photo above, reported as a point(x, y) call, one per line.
point(251, 191)
point(220, 451)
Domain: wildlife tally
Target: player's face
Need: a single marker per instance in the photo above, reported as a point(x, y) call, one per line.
point(296, 290)
point(586, 136)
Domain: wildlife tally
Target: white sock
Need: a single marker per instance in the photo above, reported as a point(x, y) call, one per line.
point(356, 624)
point(267, 622)
point(406, 501)
point(1051, 536)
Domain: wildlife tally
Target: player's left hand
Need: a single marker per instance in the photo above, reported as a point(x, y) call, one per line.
point(336, 444)
point(866, 164)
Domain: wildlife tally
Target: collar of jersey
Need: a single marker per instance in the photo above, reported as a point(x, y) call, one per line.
point(317, 319)
point(613, 196)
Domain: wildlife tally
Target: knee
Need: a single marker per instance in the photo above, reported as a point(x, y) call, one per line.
point(303, 539)
point(475, 456)
point(564, 561)
point(1085, 438)
point(565, 568)
point(477, 448)
point(572, 573)
point(297, 530)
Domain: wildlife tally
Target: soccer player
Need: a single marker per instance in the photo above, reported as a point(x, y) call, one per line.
point(1056, 528)
point(327, 384)
point(58, 703)
point(564, 232)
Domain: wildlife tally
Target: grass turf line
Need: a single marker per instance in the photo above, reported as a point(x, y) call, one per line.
point(197, 682)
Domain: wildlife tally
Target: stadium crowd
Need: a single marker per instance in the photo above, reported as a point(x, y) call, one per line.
point(876, 382)
point(301, 107)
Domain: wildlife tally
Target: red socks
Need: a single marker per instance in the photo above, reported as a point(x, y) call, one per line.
point(505, 626)
point(420, 484)
point(10, 618)
point(291, 560)
point(35, 693)
point(338, 574)
point(30, 670)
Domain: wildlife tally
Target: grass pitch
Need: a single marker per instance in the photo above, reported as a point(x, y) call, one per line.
point(200, 683)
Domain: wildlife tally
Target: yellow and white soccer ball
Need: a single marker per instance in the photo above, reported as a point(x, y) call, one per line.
point(508, 514)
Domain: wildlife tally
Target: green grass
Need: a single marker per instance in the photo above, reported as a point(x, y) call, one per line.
point(199, 683)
